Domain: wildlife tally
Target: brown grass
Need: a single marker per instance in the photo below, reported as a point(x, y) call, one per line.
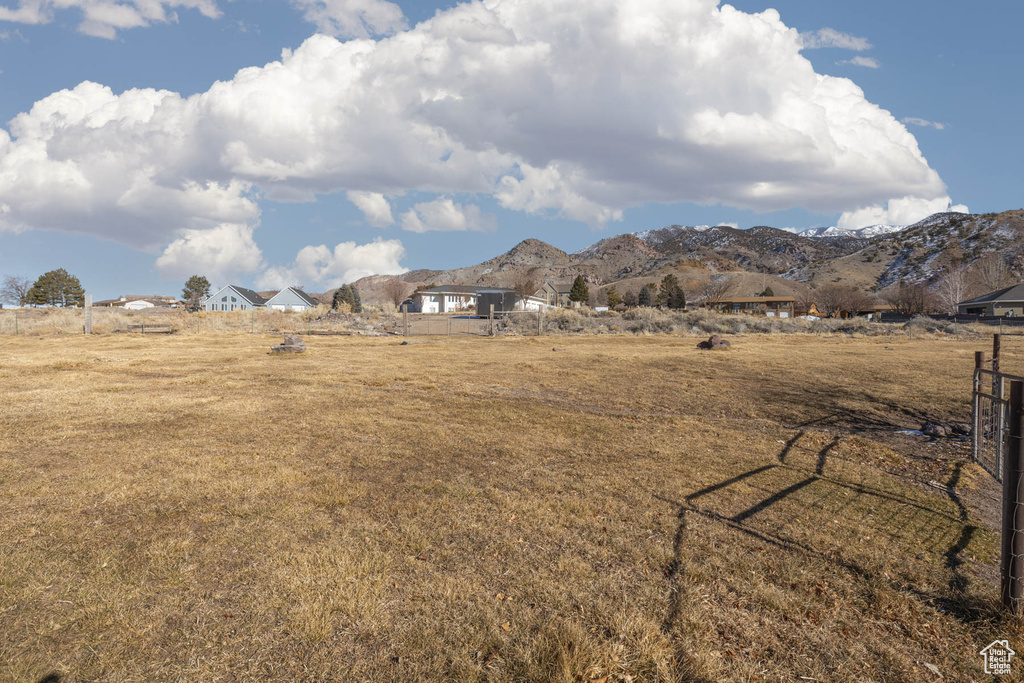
point(189, 508)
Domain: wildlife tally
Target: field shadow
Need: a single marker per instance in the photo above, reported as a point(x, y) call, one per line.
point(898, 511)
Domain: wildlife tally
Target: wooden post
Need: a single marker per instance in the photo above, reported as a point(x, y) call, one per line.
point(490, 322)
point(996, 343)
point(405, 320)
point(143, 323)
point(1013, 512)
point(540, 321)
point(87, 305)
point(15, 323)
point(449, 332)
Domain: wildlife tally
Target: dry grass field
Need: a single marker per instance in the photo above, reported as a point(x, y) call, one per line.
point(615, 508)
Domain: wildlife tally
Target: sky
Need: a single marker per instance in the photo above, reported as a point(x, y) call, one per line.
point(312, 142)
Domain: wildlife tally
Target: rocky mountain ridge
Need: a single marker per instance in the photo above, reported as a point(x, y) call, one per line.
point(871, 258)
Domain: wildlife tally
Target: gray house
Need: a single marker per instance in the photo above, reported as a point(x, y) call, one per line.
point(1007, 302)
point(291, 299)
point(234, 298)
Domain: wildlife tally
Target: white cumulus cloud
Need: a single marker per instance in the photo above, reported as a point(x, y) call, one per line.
point(104, 18)
point(575, 108)
point(375, 207)
point(325, 268)
point(898, 211)
point(220, 253)
point(445, 215)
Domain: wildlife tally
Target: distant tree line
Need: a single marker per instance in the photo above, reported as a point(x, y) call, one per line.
point(53, 288)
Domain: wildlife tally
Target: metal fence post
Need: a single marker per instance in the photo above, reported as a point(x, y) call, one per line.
point(1013, 511)
point(979, 362)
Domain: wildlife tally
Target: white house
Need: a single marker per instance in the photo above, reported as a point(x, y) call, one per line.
point(136, 302)
point(446, 299)
point(532, 303)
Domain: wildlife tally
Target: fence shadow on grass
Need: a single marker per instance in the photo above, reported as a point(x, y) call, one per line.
point(903, 519)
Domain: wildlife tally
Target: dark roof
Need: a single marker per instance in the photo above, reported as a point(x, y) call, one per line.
point(454, 289)
point(249, 295)
point(305, 297)
point(755, 299)
point(1015, 293)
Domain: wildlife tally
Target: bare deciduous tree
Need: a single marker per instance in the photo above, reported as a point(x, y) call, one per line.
point(15, 290)
point(990, 273)
point(395, 290)
point(952, 287)
point(804, 295)
point(841, 300)
point(908, 299)
point(715, 288)
point(524, 284)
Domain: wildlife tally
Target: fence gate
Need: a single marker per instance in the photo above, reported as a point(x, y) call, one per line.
point(997, 444)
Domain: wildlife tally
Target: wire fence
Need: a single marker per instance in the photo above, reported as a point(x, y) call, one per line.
point(997, 445)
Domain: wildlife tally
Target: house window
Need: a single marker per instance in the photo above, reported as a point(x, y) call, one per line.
point(233, 299)
point(224, 298)
point(232, 305)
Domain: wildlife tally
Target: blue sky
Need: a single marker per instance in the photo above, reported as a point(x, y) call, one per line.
point(442, 144)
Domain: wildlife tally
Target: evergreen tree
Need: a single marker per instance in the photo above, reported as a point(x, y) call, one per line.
point(579, 292)
point(613, 298)
point(197, 289)
point(768, 291)
point(671, 294)
point(347, 294)
point(629, 298)
point(357, 303)
point(56, 288)
point(645, 298)
point(342, 295)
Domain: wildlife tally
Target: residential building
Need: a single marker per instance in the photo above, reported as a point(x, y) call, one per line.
point(234, 298)
point(291, 299)
point(771, 306)
point(446, 298)
point(1007, 302)
point(556, 293)
point(505, 300)
point(137, 302)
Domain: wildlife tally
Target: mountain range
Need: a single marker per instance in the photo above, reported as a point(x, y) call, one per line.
point(871, 258)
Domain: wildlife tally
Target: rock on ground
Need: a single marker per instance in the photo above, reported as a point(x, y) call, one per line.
point(291, 345)
point(714, 342)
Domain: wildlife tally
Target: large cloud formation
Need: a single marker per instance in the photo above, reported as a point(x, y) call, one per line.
point(577, 108)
